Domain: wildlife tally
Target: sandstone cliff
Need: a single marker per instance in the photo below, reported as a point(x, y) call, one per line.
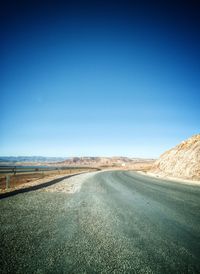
point(182, 161)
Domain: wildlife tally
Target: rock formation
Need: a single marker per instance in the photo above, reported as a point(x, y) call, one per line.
point(182, 161)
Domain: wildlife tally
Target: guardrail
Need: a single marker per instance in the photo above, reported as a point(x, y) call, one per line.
point(24, 169)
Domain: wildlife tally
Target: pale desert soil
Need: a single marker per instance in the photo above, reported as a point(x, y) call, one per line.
point(170, 178)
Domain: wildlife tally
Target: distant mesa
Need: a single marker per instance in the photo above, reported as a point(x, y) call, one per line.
point(182, 161)
point(105, 161)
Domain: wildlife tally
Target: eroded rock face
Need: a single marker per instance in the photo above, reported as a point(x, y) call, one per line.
point(182, 161)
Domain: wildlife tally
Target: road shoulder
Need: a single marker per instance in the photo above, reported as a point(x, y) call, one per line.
point(169, 178)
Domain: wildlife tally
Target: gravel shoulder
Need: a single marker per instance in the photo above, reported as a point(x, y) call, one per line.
point(70, 185)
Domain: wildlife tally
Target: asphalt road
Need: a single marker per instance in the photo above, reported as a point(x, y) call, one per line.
point(119, 222)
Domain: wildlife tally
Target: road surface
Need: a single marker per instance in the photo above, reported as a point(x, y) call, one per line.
point(117, 222)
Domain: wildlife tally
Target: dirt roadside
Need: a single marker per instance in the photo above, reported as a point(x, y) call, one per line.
point(38, 184)
point(169, 178)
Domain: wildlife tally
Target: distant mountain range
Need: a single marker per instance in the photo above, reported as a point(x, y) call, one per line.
point(103, 161)
point(74, 161)
point(33, 159)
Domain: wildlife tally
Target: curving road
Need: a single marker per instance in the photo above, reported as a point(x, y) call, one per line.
point(119, 222)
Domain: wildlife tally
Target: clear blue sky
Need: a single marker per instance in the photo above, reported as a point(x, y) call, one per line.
point(98, 78)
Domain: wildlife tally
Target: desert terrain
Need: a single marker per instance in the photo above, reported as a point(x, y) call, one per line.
point(25, 172)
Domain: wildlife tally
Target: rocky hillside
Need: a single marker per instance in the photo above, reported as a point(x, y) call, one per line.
point(182, 161)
